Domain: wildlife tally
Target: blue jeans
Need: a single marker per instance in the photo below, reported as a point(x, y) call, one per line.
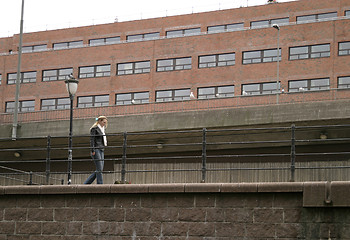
point(99, 162)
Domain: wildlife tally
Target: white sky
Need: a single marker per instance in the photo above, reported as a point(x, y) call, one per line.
point(40, 15)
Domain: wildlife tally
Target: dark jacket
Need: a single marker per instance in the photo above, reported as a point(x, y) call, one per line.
point(96, 139)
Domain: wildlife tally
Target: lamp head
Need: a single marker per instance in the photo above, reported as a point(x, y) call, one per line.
point(276, 26)
point(71, 85)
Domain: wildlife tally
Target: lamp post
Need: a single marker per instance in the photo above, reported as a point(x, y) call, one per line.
point(278, 60)
point(72, 86)
point(18, 78)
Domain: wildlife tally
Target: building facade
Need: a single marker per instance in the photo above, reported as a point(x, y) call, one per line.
point(277, 55)
point(220, 54)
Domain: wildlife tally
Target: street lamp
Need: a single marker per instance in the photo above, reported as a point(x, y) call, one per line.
point(278, 59)
point(72, 87)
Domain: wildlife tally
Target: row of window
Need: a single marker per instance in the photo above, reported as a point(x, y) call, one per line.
point(185, 32)
point(204, 61)
point(181, 94)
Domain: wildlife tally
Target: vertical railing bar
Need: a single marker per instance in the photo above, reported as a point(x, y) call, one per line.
point(204, 155)
point(48, 157)
point(292, 154)
point(124, 157)
point(30, 178)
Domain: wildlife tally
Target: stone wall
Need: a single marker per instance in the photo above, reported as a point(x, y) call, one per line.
point(176, 211)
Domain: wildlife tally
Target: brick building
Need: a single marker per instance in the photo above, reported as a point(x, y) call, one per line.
point(228, 60)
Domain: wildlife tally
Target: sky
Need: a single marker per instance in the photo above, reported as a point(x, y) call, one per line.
point(41, 15)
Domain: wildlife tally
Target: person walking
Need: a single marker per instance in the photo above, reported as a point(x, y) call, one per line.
point(98, 141)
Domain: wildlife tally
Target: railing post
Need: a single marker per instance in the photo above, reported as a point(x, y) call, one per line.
point(30, 178)
point(124, 157)
point(48, 160)
point(204, 155)
point(292, 154)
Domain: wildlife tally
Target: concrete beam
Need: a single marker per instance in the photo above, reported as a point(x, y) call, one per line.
point(330, 112)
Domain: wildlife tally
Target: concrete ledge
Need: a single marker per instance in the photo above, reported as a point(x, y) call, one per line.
point(239, 187)
point(326, 194)
point(166, 188)
point(203, 187)
point(315, 194)
point(281, 187)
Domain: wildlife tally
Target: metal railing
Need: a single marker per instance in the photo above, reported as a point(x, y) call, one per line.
point(294, 153)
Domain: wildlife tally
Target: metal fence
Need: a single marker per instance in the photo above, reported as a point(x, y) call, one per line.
point(292, 153)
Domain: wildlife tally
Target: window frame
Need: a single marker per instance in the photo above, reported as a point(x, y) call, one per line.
point(133, 98)
point(23, 78)
point(57, 76)
point(317, 17)
point(347, 50)
point(174, 66)
point(217, 62)
point(309, 87)
point(143, 37)
point(260, 89)
point(173, 97)
point(95, 73)
point(56, 105)
point(93, 103)
point(270, 22)
point(134, 69)
point(104, 41)
point(226, 28)
point(347, 85)
point(20, 106)
point(34, 48)
point(309, 52)
point(183, 32)
point(262, 58)
point(216, 92)
point(68, 45)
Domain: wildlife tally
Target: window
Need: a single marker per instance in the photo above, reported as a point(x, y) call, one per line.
point(344, 48)
point(183, 32)
point(226, 28)
point(66, 45)
point(133, 68)
point(36, 48)
point(309, 85)
point(142, 37)
point(26, 77)
point(347, 13)
point(316, 17)
point(216, 92)
point(0, 79)
point(344, 82)
point(95, 71)
point(260, 56)
point(260, 88)
point(174, 64)
point(269, 23)
point(217, 60)
point(53, 104)
point(132, 98)
point(313, 51)
point(173, 95)
point(57, 74)
point(93, 101)
point(104, 41)
point(23, 106)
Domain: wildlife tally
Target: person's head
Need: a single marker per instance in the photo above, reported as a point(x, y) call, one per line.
point(102, 121)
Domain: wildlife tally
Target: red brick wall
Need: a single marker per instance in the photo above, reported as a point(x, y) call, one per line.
point(192, 211)
point(256, 39)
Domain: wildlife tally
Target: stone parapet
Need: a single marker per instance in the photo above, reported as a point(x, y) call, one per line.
point(315, 194)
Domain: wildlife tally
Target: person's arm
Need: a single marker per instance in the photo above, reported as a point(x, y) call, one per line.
point(92, 140)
